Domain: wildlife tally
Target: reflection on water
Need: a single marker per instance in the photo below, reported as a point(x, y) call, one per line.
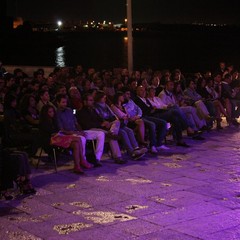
point(60, 57)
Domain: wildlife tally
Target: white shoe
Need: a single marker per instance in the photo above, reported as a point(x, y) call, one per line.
point(153, 149)
point(162, 147)
point(143, 150)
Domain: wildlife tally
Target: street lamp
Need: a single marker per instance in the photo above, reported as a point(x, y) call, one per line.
point(129, 35)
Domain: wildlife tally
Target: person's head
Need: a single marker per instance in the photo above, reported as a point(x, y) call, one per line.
point(192, 84)
point(230, 68)
point(44, 95)
point(127, 93)
point(209, 82)
point(79, 69)
point(38, 75)
point(62, 90)
point(222, 65)
point(125, 72)
point(86, 84)
point(144, 83)
point(50, 81)
point(10, 101)
point(207, 74)
point(35, 85)
point(132, 83)
point(18, 72)
point(98, 82)
point(166, 75)
point(27, 101)
point(61, 100)
point(47, 112)
point(74, 93)
point(151, 91)
point(118, 97)
point(169, 86)
point(93, 92)
point(177, 88)
point(235, 75)
point(137, 75)
point(88, 100)
point(9, 79)
point(100, 97)
point(118, 86)
point(141, 92)
point(176, 75)
point(201, 83)
point(228, 78)
point(155, 81)
point(217, 77)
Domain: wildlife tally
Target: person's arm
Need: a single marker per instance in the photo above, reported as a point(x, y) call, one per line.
point(31, 120)
point(118, 112)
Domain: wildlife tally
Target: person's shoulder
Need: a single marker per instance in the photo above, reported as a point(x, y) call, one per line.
point(162, 93)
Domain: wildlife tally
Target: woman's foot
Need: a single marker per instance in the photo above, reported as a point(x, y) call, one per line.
point(28, 188)
point(86, 164)
point(78, 170)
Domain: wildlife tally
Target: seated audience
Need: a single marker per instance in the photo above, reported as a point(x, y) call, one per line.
point(68, 125)
point(127, 135)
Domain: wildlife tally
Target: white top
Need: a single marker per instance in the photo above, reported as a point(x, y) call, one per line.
point(167, 98)
point(157, 103)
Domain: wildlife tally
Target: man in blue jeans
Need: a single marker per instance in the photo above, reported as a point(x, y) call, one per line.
point(173, 116)
point(157, 127)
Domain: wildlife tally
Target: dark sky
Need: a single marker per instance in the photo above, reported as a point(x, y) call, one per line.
point(165, 11)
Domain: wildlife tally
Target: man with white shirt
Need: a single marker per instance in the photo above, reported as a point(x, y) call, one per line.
point(172, 116)
point(157, 127)
point(189, 113)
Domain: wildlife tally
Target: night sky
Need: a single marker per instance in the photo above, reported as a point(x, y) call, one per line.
point(164, 11)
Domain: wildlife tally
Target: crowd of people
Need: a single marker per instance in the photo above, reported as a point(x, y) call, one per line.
point(114, 109)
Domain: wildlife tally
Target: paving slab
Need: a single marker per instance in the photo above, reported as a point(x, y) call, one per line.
point(180, 194)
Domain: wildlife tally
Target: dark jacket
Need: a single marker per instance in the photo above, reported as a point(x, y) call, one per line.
point(88, 118)
point(146, 110)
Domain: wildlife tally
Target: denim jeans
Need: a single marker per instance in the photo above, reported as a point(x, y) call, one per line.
point(157, 130)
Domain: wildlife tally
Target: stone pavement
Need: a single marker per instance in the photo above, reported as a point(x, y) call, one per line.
point(181, 194)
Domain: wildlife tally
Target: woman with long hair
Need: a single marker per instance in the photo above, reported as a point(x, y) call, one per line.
point(126, 133)
point(51, 135)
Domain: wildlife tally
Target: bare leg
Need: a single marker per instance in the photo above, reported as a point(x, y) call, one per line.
point(140, 129)
point(228, 106)
point(76, 155)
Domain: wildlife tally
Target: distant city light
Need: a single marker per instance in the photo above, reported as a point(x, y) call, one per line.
point(59, 23)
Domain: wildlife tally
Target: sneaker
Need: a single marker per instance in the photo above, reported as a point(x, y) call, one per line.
point(143, 150)
point(137, 156)
point(120, 161)
point(96, 163)
point(183, 144)
point(162, 147)
point(153, 149)
point(198, 137)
